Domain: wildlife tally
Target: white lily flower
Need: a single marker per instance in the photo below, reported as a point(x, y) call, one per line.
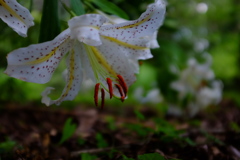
point(105, 53)
point(210, 95)
point(16, 16)
point(198, 80)
point(191, 78)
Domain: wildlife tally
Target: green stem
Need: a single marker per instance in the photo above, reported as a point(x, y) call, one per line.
point(68, 10)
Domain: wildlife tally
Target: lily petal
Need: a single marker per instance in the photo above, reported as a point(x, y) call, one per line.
point(116, 60)
point(107, 61)
point(145, 25)
point(36, 63)
point(153, 43)
point(136, 49)
point(16, 16)
point(85, 28)
point(74, 79)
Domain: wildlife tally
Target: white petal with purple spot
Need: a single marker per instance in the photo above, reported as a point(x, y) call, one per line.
point(74, 79)
point(145, 25)
point(36, 63)
point(16, 16)
point(85, 28)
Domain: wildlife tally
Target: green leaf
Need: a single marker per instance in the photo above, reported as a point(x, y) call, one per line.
point(68, 130)
point(139, 115)
point(86, 156)
point(212, 138)
point(234, 126)
point(189, 141)
point(7, 145)
point(77, 7)
point(81, 141)
point(126, 158)
point(30, 5)
point(50, 26)
point(101, 142)
point(139, 129)
point(111, 122)
point(151, 156)
point(110, 7)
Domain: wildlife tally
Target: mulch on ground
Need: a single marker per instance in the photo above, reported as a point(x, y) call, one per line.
point(37, 131)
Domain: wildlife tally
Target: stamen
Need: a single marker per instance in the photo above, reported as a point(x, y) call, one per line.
point(96, 93)
point(110, 88)
point(103, 97)
point(120, 89)
point(123, 84)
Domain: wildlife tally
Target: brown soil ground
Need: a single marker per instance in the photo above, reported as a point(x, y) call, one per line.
point(37, 131)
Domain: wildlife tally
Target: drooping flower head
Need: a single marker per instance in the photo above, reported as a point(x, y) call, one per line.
point(106, 53)
point(16, 16)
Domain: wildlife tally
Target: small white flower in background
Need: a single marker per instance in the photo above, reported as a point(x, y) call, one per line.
point(105, 53)
point(210, 95)
point(198, 80)
point(153, 96)
point(201, 44)
point(192, 77)
point(16, 16)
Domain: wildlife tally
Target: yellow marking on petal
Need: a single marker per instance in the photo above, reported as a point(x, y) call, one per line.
point(136, 24)
point(124, 43)
point(44, 58)
point(11, 11)
point(102, 60)
point(71, 75)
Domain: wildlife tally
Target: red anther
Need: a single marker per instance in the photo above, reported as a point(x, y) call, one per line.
point(122, 98)
point(123, 84)
point(110, 87)
point(96, 93)
point(103, 97)
point(140, 62)
point(120, 89)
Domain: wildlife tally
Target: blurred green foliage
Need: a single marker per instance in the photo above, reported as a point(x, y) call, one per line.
point(101, 142)
point(86, 156)
point(153, 156)
point(68, 130)
point(110, 8)
point(77, 7)
point(7, 146)
point(50, 26)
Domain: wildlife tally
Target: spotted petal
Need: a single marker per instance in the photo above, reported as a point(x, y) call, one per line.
point(109, 61)
point(152, 40)
point(153, 43)
point(36, 63)
point(85, 28)
point(145, 25)
point(115, 61)
point(137, 49)
point(74, 79)
point(16, 16)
